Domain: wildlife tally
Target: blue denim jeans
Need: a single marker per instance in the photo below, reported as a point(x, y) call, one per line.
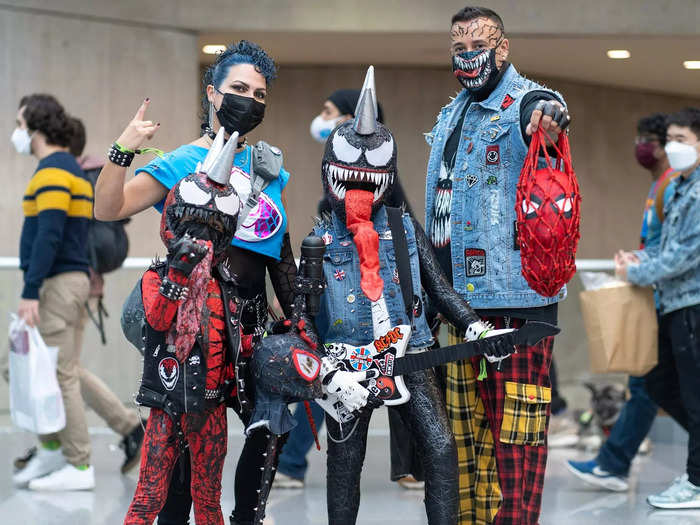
point(292, 460)
point(630, 429)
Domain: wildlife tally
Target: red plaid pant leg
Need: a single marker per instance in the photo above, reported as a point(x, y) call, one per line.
point(518, 422)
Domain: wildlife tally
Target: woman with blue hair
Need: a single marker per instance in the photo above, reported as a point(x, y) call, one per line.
point(234, 96)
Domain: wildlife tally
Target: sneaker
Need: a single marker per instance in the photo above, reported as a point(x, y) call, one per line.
point(66, 478)
point(645, 447)
point(410, 483)
point(682, 494)
point(282, 481)
point(21, 462)
point(562, 432)
point(591, 473)
point(131, 444)
point(42, 463)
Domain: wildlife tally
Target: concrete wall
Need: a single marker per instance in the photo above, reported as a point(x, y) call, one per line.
point(595, 17)
point(100, 71)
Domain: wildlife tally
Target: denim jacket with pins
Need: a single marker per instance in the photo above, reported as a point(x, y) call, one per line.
point(345, 314)
point(674, 264)
point(486, 268)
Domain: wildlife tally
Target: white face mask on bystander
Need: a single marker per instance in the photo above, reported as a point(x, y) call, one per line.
point(681, 156)
point(22, 141)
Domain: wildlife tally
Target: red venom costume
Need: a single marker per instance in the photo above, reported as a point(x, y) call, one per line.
point(365, 298)
point(192, 341)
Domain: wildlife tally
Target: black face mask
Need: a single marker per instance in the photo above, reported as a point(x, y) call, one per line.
point(239, 113)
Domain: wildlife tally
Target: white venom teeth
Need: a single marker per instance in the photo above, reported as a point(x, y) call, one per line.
point(337, 176)
point(474, 63)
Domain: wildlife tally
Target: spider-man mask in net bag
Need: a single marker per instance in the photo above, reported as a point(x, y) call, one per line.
point(548, 205)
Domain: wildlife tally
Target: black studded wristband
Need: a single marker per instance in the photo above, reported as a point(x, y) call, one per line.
point(173, 291)
point(120, 156)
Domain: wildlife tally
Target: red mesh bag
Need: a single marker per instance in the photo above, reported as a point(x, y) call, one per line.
point(548, 207)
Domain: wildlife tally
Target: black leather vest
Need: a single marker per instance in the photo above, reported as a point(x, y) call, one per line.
point(180, 387)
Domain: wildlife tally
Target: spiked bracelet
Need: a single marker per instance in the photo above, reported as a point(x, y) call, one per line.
point(120, 156)
point(173, 291)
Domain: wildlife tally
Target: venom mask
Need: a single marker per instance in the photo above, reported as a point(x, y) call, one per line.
point(360, 154)
point(204, 204)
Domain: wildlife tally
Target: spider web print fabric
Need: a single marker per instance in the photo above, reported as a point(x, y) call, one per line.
point(548, 207)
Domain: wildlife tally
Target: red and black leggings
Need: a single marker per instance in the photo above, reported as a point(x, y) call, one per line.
point(206, 434)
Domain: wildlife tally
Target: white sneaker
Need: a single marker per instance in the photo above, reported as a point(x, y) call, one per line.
point(645, 447)
point(42, 463)
point(282, 481)
point(67, 478)
point(562, 432)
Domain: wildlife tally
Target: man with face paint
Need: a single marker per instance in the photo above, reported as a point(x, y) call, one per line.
point(610, 468)
point(674, 268)
point(478, 147)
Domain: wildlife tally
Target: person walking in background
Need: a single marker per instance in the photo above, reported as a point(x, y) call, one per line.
point(674, 267)
point(610, 468)
point(54, 258)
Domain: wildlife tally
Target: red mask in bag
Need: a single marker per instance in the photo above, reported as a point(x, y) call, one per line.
point(548, 208)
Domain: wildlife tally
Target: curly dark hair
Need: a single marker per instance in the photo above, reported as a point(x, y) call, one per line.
point(77, 139)
point(686, 118)
point(654, 124)
point(243, 52)
point(45, 114)
point(471, 12)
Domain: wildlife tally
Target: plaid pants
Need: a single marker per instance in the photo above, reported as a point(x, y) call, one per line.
point(501, 433)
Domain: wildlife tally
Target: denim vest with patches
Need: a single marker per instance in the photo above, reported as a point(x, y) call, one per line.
point(486, 266)
point(345, 315)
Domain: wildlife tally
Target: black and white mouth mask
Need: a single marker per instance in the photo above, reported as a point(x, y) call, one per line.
point(474, 69)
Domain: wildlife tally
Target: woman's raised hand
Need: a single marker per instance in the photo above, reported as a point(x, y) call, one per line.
point(138, 131)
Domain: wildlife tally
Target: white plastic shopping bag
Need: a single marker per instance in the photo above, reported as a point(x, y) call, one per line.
point(36, 403)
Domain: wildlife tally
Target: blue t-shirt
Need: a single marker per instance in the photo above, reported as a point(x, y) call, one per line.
point(263, 229)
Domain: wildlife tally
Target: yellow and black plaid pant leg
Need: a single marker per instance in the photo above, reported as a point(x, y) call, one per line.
point(479, 491)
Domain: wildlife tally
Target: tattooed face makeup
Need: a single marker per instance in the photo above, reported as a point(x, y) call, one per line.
point(479, 49)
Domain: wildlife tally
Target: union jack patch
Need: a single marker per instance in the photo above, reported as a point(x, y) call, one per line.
point(339, 275)
point(395, 277)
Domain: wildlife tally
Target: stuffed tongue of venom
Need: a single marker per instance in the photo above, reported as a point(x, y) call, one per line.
point(358, 209)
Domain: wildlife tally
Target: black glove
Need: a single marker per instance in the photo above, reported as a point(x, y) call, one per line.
point(185, 254)
point(559, 113)
point(499, 345)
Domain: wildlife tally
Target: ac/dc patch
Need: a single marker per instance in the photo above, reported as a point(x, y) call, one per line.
point(493, 154)
point(507, 101)
point(475, 262)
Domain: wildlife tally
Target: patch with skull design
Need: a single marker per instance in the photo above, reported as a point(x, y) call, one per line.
point(203, 208)
point(353, 161)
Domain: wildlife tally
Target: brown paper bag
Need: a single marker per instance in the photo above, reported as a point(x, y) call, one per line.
point(622, 329)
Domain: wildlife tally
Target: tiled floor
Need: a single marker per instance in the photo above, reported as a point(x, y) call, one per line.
point(566, 500)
